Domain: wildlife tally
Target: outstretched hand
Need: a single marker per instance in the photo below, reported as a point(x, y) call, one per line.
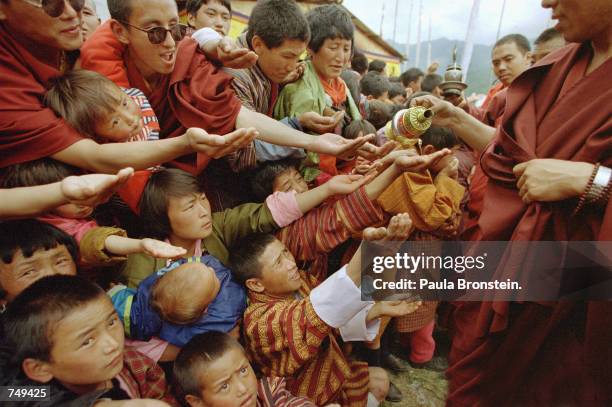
point(320, 124)
point(232, 56)
point(399, 228)
point(161, 250)
point(393, 308)
point(347, 184)
point(417, 163)
point(93, 189)
point(371, 152)
point(216, 146)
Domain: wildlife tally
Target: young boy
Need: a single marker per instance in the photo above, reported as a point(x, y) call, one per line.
point(213, 370)
point(375, 86)
point(62, 331)
point(216, 14)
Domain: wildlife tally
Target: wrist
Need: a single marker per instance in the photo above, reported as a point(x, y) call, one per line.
point(580, 179)
point(183, 143)
point(373, 313)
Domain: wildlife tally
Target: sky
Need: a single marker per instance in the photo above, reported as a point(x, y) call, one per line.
point(449, 18)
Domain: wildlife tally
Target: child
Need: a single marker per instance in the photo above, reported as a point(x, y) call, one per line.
point(62, 331)
point(99, 245)
point(216, 14)
point(213, 370)
point(99, 109)
point(375, 86)
point(180, 301)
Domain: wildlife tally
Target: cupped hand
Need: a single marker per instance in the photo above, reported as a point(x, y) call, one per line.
point(94, 189)
point(216, 146)
point(161, 250)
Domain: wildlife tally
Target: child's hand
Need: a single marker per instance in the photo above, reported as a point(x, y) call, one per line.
point(216, 146)
point(399, 228)
point(420, 162)
point(372, 152)
point(161, 250)
point(392, 309)
point(93, 189)
point(346, 184)
point(320, 124)
point(364, 167)
point(338, 146)
point(451, 169)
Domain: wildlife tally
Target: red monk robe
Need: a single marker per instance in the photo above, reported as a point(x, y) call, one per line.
point(28, 129)
point(555, 353)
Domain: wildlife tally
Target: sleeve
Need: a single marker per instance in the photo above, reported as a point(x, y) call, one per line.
point(284, 207)
point(243, 159)
point(238, 222)
point(150, 378)
point(265, 151)
point(281, 397)
point(92, 246)
point(204, 35)
point(293, 101)
point(325, 227)
point(359, 329)
point(103, 53)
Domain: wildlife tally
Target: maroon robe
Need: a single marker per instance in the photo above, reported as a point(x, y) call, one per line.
point(546, 353)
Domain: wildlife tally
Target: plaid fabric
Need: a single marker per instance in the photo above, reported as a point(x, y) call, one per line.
point(150, 128)
point(144, 377)
point(272, 392)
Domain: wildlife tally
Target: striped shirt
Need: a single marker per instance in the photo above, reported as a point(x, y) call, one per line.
point(150, 124)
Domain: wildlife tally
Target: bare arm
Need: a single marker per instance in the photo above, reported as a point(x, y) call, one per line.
point(123, 246)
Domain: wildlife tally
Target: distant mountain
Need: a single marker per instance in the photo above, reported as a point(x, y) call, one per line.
point(480, 77)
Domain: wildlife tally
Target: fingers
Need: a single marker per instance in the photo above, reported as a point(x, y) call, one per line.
point(519, 169)
point(399, 227)
point(372, 234)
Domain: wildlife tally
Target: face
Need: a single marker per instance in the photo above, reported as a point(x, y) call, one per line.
point(509, 62)
point(329, 61)
point(151, 60)
point(277, 63)
point(214, 15)
point(88, 347)
point(581, 20)
point(90, 21)
point(27, 21)
point(279, 273)
point(544, 48)
point(227, 382)
point(415, 86)
point(398, 100)
point(290, 180)
point(123, 123)
point(190, 218)
point(23, 271)
point(73, 211)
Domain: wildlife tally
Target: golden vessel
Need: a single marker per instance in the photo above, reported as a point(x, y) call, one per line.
point(408, 124)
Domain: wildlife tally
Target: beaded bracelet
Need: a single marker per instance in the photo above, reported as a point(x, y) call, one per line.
point(583, 196)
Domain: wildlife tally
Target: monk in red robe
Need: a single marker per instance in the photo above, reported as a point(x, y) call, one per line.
point(556, 126)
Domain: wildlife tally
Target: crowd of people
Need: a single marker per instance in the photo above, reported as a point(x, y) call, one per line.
point(182, 214)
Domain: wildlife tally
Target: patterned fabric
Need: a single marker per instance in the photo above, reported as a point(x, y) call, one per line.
point(150, 125)
point(143, 377)
point(272, 392)
point(285, 337)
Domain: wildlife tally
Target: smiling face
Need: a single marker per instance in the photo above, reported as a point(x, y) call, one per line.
point(214, 15)
point(277, 63)
point(331, 58)
point(124, 122)
point(509, 62)
point(27, 21)
point(581, 20)
point(190, 219)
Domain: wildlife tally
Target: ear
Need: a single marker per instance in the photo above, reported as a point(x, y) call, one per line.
point(254, 284)
point(529, 57)
point(258, 44)
point(194, 401)
point(37, 370)
point(120, 31)
point(191, 19)
point(428, 149)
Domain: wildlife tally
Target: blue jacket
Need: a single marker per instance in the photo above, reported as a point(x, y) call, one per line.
point(141, 322)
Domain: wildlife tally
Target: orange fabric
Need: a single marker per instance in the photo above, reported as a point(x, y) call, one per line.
point(102, 53)
point(336, 89)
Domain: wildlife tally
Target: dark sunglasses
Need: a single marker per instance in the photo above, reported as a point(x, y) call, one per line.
point(55, 8)
point(157, 35)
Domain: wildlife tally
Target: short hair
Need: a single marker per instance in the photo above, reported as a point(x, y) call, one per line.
point(195, 357)
point(522, 43)
point(30, 235)
point(262, 181)
point(396, 89)
point(244, 256)
point(411, 75)
point(416, 95)
point(439, 138)
point(359, 62)
point(394, 79)
point(377, 66)
point(276, 21)
point(153, 204)
point(379, 113)
point(430, 81)
point(38, 172)
point(83, 98)
point(330, 21)
point(31, 318)
point(193, 6)
point(374, 84)
point(120, 10)
point(356, 127)
point(548, 35)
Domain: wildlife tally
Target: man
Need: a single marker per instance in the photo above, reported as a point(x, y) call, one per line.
point(216, 14)
point(556, 126)
point(90, 20)
point(411, 79)
point(511, 56)
point(550, 40)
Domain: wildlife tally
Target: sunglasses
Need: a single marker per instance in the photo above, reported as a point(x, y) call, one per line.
point(157, 35)
point(55, 8)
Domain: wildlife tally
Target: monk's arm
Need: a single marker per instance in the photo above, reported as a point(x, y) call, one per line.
point(30, 201)
point(472, 131)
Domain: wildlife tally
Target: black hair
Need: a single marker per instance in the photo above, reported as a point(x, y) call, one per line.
point(38, 172)
point(120, 10)
point(430, 81)
point(357, 127)
point(379, 113)
point(30, 235)
point(276, 21)
point(522, 43)
point(244, 256)
point(374, 84)
point(411, 75)
point(396, 89)
point(193, 6)
point(439, 138)
point(352, 83)
point(416, 95)
point(194, 358)
point(329, 22)
point(359, 62)
point(377, 66)
point(262, 181)
point(547, 35)
point(32, 316)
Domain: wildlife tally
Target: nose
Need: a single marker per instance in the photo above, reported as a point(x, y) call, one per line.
point(168, 41)
point(241, 388)
point(109, 343)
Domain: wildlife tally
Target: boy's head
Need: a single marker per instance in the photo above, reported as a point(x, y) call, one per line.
point(30, 250)
point(182, 295)
point(548, 41)
point(358, 128)
point(375, 86)
point(94, 106)
point(331, 41)
point(435, 139)
point(431, 83)
point(65, 328)
point(42, 172)
point(379, 113)
point(397, 93)
point(216, 14)
point(359, 63)
point(212, 370)
point(275, 176)
point(173, 205)
point(263, 264)
point(278, 33)
point(378, 66)
point(412, 79)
